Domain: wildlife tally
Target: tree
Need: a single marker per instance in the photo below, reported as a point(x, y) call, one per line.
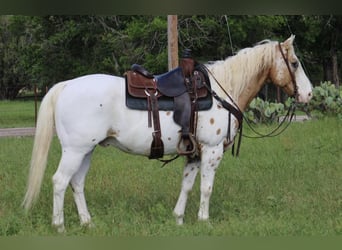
point(44, 50)
point(319, 37)
point(13, 42)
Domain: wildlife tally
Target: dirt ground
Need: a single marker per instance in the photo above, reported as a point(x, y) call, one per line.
point(14, 132)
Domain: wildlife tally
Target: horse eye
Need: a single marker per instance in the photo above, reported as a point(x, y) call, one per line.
point(295, 64)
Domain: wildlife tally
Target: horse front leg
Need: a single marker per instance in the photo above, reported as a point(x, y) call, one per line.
point(211, 158)
point(189, 176)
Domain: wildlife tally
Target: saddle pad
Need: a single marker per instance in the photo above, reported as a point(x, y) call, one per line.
point(132, 102)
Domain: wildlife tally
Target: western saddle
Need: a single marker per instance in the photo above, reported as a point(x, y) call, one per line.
point(183, 90)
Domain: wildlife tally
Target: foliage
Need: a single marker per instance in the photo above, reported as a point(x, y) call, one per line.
point(13, 41)
point(326, 100)
point(260, 111)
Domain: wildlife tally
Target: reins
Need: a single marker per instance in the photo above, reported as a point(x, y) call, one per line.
point(289, 116)
point(290, 112)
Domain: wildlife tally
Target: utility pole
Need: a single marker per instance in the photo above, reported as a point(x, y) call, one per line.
point(172, 41)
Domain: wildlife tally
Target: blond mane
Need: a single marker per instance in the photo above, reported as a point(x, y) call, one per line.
point(236, 72)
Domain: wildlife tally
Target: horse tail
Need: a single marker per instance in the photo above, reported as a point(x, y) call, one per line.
point(42, 141)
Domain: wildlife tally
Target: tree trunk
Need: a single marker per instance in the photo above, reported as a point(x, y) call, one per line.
point(335, 77)
point(327, 70)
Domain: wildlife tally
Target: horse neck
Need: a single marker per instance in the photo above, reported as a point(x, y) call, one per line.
point(246, 73)
point(251, 90)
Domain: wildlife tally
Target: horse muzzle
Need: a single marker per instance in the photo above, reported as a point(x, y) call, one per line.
point(304, 96)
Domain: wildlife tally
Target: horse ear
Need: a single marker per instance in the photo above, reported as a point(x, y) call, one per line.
point(291, 38)
point(289, 41)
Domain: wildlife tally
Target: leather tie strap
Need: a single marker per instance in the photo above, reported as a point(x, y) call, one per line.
point(157, 146)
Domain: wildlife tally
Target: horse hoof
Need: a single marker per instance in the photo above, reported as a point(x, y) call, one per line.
point(179, 221)
point(59, 228)
point(206, 222)
point(88, 224)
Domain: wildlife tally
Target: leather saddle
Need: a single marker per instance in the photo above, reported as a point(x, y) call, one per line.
point(180, 90)
point(165, 86)
point(169, 84)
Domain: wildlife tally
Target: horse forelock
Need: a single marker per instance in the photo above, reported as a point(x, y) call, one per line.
point(237, 71)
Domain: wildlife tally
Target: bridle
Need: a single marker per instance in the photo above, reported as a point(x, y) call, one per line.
point(293, 79)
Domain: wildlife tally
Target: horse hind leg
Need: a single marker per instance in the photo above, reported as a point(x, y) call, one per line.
point(77, 185)
point(189, 176)
point(69, 164)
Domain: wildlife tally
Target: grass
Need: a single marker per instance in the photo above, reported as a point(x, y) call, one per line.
point(17, 114)
point(288, 185)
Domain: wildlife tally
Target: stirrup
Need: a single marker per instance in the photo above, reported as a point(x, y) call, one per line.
point(190, 149)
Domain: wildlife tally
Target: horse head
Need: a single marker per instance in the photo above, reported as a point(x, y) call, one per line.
point(287, 72)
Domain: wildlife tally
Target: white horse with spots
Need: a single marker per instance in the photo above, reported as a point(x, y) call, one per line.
point(90, 111)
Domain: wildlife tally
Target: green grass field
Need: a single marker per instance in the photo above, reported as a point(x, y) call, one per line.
point(17, 114)
point(288, 185)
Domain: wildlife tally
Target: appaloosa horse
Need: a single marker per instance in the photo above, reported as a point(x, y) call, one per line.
point(90, 111)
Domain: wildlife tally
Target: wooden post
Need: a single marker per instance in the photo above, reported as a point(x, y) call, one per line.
point(35, 105)
point(172, 41)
